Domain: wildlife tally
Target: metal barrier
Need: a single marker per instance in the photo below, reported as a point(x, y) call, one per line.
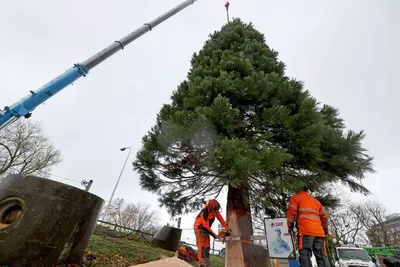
point(126, 231)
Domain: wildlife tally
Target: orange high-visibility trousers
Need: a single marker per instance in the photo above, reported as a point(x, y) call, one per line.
point(203, 246)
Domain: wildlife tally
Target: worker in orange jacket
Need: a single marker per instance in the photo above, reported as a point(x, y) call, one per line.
point(202, 229)
point(312, 224)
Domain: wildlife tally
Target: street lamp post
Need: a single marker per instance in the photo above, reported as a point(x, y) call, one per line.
point(116, 185)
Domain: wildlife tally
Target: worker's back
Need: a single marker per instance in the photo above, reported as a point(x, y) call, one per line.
point(310, 212)
point(312, 223)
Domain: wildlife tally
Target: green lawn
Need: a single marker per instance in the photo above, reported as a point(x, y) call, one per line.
point(109, 251)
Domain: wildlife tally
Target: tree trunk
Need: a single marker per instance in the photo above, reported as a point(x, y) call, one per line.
point(239, 253)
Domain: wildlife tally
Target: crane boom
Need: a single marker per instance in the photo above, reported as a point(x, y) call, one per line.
point(383, 251)
point(25, 106)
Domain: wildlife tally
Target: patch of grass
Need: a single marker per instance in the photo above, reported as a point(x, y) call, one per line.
point(217, 261)
point(109, 251)
point(128, 251)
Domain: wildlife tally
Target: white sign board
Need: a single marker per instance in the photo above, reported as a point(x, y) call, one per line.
point(280, 241)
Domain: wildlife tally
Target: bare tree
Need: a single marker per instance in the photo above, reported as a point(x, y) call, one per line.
point(377, 229)
point(137, 216)
point(364, 222)
point(345, 225)
point(26, 150)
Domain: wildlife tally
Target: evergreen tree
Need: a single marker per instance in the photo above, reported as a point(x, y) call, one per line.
point(237, 121)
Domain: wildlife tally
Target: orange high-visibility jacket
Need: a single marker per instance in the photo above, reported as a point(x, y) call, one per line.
point(309, 214)
point(205, 219)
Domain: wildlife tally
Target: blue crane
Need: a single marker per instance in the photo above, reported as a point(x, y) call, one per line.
point(25, 106)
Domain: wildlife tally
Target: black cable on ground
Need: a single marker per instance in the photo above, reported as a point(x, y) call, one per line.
point(145, 238)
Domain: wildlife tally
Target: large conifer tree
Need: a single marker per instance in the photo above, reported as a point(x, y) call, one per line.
point(238, 122)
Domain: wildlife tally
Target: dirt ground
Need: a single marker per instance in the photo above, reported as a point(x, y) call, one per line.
point(169, 262)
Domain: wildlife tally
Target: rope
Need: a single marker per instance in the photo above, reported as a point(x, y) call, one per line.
point(142, 234)
point(65, 178)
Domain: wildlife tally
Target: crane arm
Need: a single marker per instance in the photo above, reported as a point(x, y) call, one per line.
point(25, 106)
point(383, 251)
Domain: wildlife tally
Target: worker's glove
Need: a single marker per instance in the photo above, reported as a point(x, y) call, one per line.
point(291, 227)
point(224, 233)
point(228, 232)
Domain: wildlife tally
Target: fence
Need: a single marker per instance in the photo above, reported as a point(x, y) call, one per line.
point(123, 228)
point(119, 231)
point(212, 250)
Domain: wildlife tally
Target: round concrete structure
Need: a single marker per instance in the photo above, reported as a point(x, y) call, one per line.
point(44, 222)
point(167, 238)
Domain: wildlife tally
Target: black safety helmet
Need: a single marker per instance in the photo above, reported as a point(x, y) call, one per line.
point(304, 188)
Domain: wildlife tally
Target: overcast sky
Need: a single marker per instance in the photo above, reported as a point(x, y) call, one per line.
point(346, 52)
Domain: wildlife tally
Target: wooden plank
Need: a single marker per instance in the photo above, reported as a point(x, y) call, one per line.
point(169, 262)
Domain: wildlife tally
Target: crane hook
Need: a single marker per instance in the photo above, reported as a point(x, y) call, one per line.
point(227, 10)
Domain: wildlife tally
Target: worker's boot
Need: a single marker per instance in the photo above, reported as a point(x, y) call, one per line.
point(207, 262)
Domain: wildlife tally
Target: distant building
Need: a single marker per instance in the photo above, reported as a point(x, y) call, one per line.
point(392, 224)
point(387, 234)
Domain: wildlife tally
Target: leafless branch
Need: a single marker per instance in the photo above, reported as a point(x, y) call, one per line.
point(137, 216)
point(25, 150)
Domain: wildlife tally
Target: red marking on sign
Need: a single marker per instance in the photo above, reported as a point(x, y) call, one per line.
point(277, 224)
